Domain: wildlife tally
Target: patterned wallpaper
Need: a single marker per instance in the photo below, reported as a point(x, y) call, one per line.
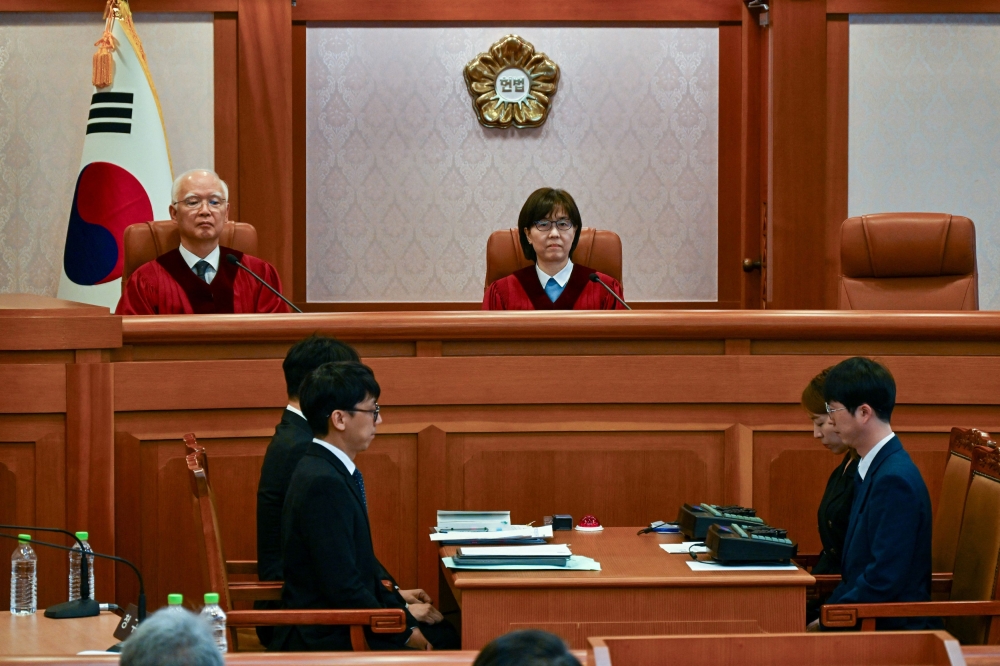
point(925, 124)
point(404, 186)
point(45, 68)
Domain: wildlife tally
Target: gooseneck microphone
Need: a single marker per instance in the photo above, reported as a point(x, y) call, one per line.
point(594, 277)
point(84, 607)
point(231, 258)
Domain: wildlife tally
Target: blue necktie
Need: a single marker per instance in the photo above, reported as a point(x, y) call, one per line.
point(360, 480)
point(552, 289)
point(201, 270)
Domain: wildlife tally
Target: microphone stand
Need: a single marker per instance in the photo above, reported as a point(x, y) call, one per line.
point(82, 607)
point(89, 605)
point(594, 277)
point(231, 258)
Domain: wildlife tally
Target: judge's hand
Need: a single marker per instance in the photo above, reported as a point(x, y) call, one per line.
point(425, 613)
point(415, 596)
point(417, 641)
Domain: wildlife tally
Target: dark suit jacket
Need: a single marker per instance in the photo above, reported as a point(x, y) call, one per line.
point(328, 557)
point(835, 514)
point(887, 550)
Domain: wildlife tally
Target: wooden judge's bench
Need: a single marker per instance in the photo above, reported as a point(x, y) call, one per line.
point(623, 415)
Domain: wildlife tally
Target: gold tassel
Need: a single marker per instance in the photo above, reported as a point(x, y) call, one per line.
point(104, 63)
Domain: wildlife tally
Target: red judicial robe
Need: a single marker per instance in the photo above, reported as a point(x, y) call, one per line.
point(169, 286)
point(521, 290)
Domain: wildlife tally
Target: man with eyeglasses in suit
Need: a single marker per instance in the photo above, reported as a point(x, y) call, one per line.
point(196, 278)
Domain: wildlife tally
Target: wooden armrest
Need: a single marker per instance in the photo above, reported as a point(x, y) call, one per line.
point(241, 567)
point(806, 561)
point(255, 591)
point(847, 615)
point(941, 582)
point(380, 620)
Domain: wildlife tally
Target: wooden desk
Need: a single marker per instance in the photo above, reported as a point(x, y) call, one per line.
point(640, 590)
point(39, 635)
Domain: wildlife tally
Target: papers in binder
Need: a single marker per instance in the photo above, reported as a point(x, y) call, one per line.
point(513, 532)
point(473, 521)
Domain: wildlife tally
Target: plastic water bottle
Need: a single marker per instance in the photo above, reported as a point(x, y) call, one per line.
point(175, 602)
point(23, 578)
point(74, 568)
point(216, 617)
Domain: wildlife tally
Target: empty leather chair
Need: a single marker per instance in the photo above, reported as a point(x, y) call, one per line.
point(908, 261)
point(597, 249)
point(148, 240)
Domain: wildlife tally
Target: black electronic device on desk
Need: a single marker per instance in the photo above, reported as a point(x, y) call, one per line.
point(745, 544)
point(694, 519)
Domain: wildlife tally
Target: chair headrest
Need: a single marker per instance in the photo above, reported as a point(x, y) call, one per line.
point(599, 249)
point(889, 245)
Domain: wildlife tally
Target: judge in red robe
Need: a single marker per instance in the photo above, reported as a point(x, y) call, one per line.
point(196, 278)
point(549, 229)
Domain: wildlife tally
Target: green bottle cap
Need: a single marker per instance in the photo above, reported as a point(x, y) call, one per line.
point(175, 599)
point(24, 538)
point(82, 536)
point(211, 598)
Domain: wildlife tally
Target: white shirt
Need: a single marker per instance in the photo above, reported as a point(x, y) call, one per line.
point(190, 258)
point(866, 462)
point(293, 410)
point(561, 278)
point(343, 457)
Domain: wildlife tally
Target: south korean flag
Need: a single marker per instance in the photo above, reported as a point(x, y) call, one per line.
point(125, 173)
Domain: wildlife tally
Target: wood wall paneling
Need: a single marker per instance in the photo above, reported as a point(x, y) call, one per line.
point(731, 278)
point(299, 191)
point(265, 127)
point(135, 5)
point(796, 211)
point(911, 7)
point(227, 135)
point(838, 31)
point(751, 149)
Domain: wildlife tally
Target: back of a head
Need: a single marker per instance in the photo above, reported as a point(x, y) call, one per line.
point(307, 355)
point(171, 637)
point(528, 647)
point(861, 381)
point(812, 394)
point(335, 386)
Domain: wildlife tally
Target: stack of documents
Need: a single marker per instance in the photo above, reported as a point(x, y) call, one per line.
point(557, 555)
point(492, 528)
point(473, 521)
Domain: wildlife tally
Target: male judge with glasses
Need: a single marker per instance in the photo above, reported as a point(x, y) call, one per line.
point(549, 229)
point(196, 278)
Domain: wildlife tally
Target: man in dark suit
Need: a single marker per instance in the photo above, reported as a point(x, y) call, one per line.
point(887, 550)
point(329, 561)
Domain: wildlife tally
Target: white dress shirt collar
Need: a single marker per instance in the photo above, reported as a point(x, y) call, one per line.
point(561, 278)
point(867, 461)
point(190, 258)
point(295, 410)
point(343, 457)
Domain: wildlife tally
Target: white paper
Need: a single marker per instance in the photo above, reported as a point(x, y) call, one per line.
point(518, 532)
point(714, 566)
point(479, 521)
point(685, 548)
point(575, 563)
point(553, 550)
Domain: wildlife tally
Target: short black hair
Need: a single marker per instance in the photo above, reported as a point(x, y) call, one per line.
point(527, 647)
point(342, 385)
point(539, 204)
point(861, 381)
point(307, 355)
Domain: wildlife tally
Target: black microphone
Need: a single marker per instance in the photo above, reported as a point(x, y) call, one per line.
point(70, 606)
point(594, 277)
point(231, 258)
point(90, 606)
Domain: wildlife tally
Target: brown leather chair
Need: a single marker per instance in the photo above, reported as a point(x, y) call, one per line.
point(148, 240)
point(597, 249)
point(908, 261)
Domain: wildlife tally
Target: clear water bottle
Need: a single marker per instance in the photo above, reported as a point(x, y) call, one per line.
point(23, 578)
point(74, 568)
point(216, 617)
point(175, 602)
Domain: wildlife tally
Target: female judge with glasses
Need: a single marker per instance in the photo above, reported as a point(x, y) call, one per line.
point(549, 229)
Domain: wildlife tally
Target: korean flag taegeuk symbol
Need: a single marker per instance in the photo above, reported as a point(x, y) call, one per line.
point(125, 173)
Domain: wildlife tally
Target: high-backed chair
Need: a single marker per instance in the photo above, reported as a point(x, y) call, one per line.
point(598, 249)
point(908, 261)
point(954, 490)
point(217, 570)
point(146, 241)
point(974, 601)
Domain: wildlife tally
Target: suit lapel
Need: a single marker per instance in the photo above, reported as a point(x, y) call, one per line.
point(861, 492)
point(320, 451)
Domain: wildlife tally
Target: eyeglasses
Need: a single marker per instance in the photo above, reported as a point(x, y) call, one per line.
point(373, 412)
point(830, 410)
point(562, 224)
point(194, 203)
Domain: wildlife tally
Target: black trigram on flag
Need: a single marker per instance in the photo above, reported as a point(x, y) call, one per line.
point(110, 112)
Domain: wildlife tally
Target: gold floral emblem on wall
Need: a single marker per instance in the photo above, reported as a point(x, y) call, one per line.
point(511, 84)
